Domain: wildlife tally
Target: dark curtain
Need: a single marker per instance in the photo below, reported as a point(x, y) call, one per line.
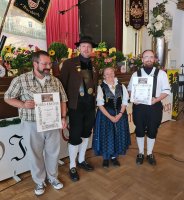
point(119, 24)
point(62, 28)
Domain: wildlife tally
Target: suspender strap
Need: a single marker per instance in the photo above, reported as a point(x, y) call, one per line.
point(155, 82)
point(139, 73)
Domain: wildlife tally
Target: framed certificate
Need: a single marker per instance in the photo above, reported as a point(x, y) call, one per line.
point(48, 111)
point(142, 90)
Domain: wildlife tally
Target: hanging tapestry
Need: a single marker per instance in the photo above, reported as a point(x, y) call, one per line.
point(136, 13)
point(35, 8)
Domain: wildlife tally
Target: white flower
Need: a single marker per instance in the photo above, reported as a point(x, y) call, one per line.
point(158, 26)
point(168, 35)
point(149, 26)
point(159, 18)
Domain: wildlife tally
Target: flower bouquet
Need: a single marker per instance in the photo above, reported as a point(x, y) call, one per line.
point(134, 62)
point(17, 58)
point(160, 21)
point(57, 51)
point(103, 62)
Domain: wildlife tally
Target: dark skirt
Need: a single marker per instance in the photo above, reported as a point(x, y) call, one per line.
point(110, 139)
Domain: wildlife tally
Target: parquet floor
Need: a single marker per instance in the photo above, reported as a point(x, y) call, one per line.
point(165, 181)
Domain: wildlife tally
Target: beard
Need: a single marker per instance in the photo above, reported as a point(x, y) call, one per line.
point(44, 72)
point(148, 64)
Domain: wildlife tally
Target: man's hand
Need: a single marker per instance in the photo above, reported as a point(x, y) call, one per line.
point(64, 122)
point(28, 104)
point(154, 100)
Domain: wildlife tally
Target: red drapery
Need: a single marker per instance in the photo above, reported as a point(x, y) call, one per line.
point(62, 28)
point(119, 23)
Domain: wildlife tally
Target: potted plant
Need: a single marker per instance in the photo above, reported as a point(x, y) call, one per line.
point(57, 51)
point(119, 57)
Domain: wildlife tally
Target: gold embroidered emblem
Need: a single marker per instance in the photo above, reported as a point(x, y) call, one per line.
point(90, 90)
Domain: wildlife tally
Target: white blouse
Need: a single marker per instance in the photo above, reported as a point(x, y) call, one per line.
point(100, 95)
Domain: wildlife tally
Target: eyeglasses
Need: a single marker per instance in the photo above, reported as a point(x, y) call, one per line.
point(45, 64)
point(148, 57)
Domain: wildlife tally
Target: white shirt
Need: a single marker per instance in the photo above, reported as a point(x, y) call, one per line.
point(100, 95)
point(162, 81)
point(41, 81)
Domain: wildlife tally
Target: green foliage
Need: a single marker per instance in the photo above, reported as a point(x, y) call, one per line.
point(104, 62)
point(159, 9)
point(160, 21)
point(134, 63)
point(23, 60)
point(118, 55)
point(102, 45)
point(4, 122)
point(57, 51)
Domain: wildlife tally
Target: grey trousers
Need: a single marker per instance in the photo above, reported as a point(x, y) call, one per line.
point(43, 152)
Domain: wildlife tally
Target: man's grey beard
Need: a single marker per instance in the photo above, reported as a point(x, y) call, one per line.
point(43, 73)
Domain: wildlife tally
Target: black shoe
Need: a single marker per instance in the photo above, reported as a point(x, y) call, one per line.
point(86, 166)
point(73, 174)
point(151, 159)
point(105, 163)
point(115, 162)
point(139, 159)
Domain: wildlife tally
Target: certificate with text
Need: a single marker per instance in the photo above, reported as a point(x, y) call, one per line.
point(142, 90)
point(48, 111)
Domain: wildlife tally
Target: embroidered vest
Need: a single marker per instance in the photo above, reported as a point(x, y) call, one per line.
point(110, 100)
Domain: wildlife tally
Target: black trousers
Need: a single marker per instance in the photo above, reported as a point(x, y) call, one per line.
point(147, 119)
point(81, 122)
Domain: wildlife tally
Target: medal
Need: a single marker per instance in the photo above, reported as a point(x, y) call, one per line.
point(81, 94)
point(90, 90)
point(78, 68)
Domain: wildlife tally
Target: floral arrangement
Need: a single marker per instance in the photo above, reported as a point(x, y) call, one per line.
point(104, 58)
point(19, 57)
point(102, 46)
point(134, 62)
point(160, 21)
point(118, 55)
point(57, 51)
point(103, 61)
point(7, 53)
point(22, 58)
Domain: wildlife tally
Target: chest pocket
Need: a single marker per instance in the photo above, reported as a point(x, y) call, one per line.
point(29, 91)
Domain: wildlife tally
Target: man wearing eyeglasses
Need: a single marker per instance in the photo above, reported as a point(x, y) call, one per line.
point(147, 118)
point(43, 147)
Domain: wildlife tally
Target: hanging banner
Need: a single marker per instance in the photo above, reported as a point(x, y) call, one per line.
point(174, 83)
point(136, 13)
point(35, 8)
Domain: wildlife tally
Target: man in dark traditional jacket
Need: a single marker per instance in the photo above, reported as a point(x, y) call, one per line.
point(79, 81)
